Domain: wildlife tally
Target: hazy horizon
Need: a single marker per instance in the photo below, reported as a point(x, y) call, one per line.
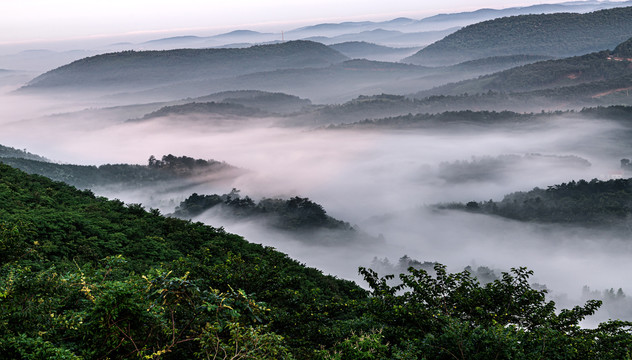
point(35, 24)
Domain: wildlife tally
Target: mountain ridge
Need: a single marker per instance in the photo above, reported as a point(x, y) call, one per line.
point(556, 35)
point(148, 68)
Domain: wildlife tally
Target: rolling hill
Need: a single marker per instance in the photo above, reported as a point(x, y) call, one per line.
point(141, 69)
point(600, 78)
point(556, 35)
point(169, 171)
point(370, 51)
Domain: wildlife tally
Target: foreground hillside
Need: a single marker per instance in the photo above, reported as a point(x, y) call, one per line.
point(84, 277)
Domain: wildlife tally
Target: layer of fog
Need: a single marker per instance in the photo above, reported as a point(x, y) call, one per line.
point(380, 181)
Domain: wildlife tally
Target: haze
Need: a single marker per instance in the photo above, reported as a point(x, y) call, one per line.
point(381, 180)
point(34, 21)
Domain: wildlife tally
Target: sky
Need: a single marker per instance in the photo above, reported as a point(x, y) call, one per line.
point(38, 21)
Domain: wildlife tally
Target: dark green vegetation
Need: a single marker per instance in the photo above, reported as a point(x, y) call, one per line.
point(595, 203)
point(558, 35)
point(298, 215)
point(169, 169)
point(85, 277)
point(137, 69)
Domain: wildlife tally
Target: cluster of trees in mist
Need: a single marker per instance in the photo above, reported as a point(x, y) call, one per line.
point(296, 214)
point(169, 168)
point(85, 277)
point(592, 203)
point(9, 152)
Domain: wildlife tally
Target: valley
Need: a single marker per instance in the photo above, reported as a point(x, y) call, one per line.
point(481, 158)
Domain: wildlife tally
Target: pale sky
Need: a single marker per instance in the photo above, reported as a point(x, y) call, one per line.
point(32, 21)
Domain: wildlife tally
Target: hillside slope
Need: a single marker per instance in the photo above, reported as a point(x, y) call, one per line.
point(55, 238)
point(85, 277)
point(557, 35)
point(597, 79)
point(138, 69)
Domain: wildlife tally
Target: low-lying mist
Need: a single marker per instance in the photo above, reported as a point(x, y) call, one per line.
point(377, 180)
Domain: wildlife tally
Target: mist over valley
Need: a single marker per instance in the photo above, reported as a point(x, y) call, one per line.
point(483, 141)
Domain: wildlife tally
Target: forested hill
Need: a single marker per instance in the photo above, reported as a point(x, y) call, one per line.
point(9, 152)
point(158, 171)
point(85, 277)
point(588, 203)
point(141, 68)
point(586, 77)
point(82, 277)
point(207, 108)
point(558, 35)
point(623, 50)
point(297, 215)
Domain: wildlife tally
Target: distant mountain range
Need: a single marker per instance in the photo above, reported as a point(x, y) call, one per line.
point(506, 57)
point(556, 35)
point(447, 21)
point(399, 32)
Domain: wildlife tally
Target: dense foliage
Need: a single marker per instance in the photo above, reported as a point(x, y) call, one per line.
point(82, 277)
point(74, 268)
